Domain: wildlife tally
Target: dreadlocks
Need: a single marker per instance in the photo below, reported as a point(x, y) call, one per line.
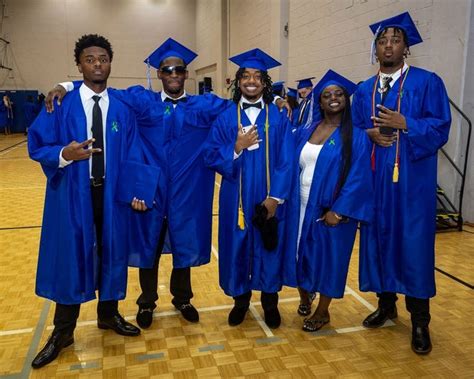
point(267, 86)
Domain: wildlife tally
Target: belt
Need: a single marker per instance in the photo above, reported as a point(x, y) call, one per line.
point(97, 182)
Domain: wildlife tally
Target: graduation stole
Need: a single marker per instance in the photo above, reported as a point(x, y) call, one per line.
point(241, 218)
point(399, 99)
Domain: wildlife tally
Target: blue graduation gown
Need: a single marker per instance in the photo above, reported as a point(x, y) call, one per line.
point(189, 183)
point(244, 264)
point(311, 109)
point(68, 263)
point(397, 250)
point(322, 261)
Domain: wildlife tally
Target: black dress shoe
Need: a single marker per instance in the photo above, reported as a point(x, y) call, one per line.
point(188, 311)
point(237, 315)
point(144, 317)
point(378, 318)
point(272, 317)
point(51, 350)
point(420, 340)
point(119, 326)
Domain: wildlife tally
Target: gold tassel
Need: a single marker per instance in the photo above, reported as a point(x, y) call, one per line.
point(241, 221)
point(395, 173)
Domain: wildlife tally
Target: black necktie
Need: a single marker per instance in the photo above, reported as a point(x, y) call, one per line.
point(98, 134)
point(303, 109)
point(250, 105)
point(176, 101)
point(386, 87)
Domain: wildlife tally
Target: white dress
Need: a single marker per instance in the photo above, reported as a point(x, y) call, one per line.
point(308, 158)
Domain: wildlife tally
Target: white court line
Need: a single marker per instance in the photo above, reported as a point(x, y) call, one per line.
point(214, 251)
point(253, 311)
point(369, 306)
point(259, 320)
point(15, 331)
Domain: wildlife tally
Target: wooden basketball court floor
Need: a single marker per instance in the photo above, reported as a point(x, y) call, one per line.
point(174, 348)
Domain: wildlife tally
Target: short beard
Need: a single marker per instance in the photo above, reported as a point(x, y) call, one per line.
point(99, 81)
point(387, 64)
point(254, 97)
point(174, 91)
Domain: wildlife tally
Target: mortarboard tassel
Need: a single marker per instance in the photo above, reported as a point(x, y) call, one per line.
point(241, 220)
point(148, 74)
point(372, 46)
point(395, 173)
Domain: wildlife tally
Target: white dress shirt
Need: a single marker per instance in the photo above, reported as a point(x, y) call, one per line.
point(252, 114)
point(86, 95)
point(165, 96)
point(395, 76)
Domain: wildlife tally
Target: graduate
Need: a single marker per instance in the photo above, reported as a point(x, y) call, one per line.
point(405, 112)
point(177, 148)
point(278, 89)
point(304, 88)
point(6, 117)
point(250, 145)
point(292, 95)
point(330, 196)
point(84, 149)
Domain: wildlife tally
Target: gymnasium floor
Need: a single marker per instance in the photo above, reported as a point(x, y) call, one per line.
point(174, 348)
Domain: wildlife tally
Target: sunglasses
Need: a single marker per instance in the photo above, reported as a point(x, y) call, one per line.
point(168, 70)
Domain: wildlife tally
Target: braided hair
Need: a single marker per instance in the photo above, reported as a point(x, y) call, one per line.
point(267, 86)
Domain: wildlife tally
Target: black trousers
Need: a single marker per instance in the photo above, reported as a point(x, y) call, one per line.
point(419, 308)
point(180, 282)
point(269, 300)
point(66, 315)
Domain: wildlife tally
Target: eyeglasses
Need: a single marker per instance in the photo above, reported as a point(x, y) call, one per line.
point(168, 70)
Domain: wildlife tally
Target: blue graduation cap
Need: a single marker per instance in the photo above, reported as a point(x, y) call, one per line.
point(292, 92)
point(333, 78)
point(256, 59)
point(303, 83)
point(278, 86)
point(402, 21)
point(170, 48)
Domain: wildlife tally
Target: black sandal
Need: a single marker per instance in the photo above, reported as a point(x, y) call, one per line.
point(313, 325)
point(305, 309)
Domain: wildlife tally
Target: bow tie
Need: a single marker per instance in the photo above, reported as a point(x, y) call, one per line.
point(176, 101)
point(249, 105)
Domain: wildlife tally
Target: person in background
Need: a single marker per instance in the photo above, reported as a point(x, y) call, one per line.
point(304, 88)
